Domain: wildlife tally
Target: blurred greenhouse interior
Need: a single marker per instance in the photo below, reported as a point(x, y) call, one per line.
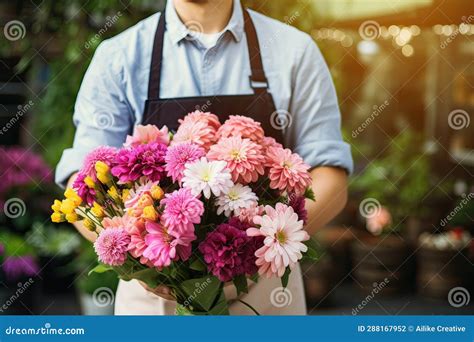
point(404, 74)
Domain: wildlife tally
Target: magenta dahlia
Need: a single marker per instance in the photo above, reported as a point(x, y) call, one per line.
point(143, 160)
point(229, 252)
point(87, 194)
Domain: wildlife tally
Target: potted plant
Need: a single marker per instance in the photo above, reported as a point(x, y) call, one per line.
point(393, 189)
point(56, 247)
point(18, 272)
point(96, 291)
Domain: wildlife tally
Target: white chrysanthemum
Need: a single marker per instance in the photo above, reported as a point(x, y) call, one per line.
point(207, 177)
point(236, 198)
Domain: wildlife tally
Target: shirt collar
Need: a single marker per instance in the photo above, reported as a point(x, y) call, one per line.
point(177, 31)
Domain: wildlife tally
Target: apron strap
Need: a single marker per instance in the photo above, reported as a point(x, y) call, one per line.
point(258, 80)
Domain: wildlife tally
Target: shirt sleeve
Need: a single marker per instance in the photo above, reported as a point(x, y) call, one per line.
point(102, 115)
point(315, 130)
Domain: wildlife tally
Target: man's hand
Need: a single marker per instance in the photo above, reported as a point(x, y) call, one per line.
point(161, 291)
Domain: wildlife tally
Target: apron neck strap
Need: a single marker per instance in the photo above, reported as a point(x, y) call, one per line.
point(258, 80)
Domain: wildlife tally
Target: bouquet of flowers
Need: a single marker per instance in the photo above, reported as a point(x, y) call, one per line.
point(195, 209)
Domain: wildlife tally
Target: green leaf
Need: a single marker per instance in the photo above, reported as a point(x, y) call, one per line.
point(149, 276)
point(254, 278)
point(286, 277)
point(221, 308)
point(313, 252)
point(198, 265)
point(202, 292)
point(101, 268)
point(240, 283)
point(309, 194)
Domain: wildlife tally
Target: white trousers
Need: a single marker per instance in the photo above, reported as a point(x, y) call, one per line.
point(267, 297)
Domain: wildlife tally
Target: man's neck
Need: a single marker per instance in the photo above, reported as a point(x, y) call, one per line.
point(212, 15)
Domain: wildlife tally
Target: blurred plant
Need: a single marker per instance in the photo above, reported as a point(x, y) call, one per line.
point(88, 283)
point(17, 258)
point(49, 240)
point(26, 188)
point(400, 180)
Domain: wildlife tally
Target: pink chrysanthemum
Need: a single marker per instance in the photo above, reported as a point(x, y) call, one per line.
point(164, 246)
point(242, 126)
point(244, 158)
point(148, 134)
point(178, 156)
point(248, 214)
point(269, 142)
point(144, 160)
point(104, 154)
point(288, 171)
point(182, 210)
point(137, 244)
point(111, 246)
point(283, 243)
point(199, 128)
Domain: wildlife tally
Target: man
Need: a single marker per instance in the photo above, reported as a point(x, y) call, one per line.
point(227, 60)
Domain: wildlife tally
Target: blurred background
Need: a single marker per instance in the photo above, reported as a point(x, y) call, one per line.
point(404, 74)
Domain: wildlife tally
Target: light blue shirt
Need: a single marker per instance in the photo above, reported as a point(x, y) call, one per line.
point(112, 97)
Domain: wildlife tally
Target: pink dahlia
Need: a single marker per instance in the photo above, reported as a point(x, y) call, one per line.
point(199, 128)
point(104, 154)
point(122, 222)
point(182, 210)
point(148, 134)
point(288, 171)
point(244, 158)
point(283, 243)
point(137, 244)
point(111, 246)
point(242, 126)
point(248, 214)
point(178, 156)
point(164, 246)
point(229, 252)
point(144, 160)
point(268, 142)
point(87, 194)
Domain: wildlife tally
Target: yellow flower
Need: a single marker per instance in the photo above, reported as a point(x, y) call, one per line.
point(72, 195)
point(56, 205)
point(89, 182)
point(72, 217)
point(114, 193)
point(157, 192)
point(89, 224)
point(103, 174)
point(125, 194)
point(150, 213)
point(68, 206)
point(57, 217)
point(145, 201)
point(97, 210)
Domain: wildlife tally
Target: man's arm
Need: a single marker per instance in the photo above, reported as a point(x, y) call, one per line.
point(330, 190)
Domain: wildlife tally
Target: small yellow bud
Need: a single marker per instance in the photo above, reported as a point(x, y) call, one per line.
point(72, 195)
point(97, 210)
point(57, 217)
point(56, 205)
point(101, 167)
point(145, 201)
point(68, 206)
point(125, 194)
point(157, 192)
point(114, 193)
point(150, 213)
point(72, 217)
point(89, 224)
point(89, 182)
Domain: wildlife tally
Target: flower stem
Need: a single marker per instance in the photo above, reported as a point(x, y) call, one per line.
point(249, 306)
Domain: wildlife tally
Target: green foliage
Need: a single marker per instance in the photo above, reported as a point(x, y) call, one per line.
point(15, 245)
point(50, 240)
point(400, 180)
